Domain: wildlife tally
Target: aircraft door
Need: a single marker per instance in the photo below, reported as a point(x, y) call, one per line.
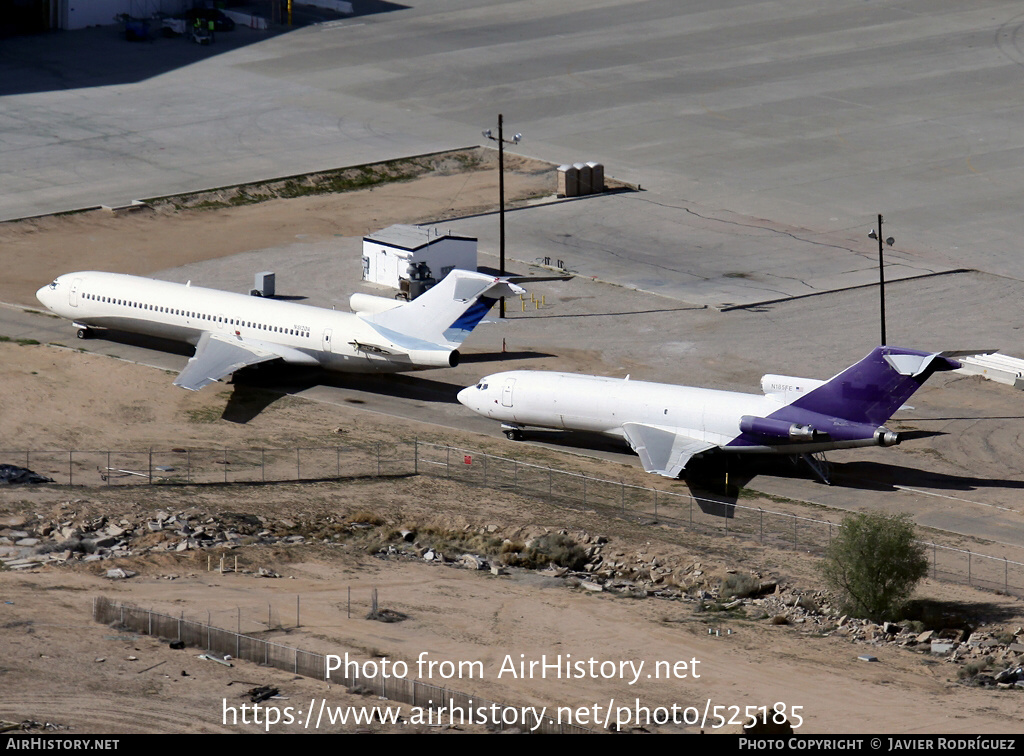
point(73, 293)
point(327, 340)
point(506, 392)
point(221, 320)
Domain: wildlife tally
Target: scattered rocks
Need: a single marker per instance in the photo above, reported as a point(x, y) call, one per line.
point(28, 542)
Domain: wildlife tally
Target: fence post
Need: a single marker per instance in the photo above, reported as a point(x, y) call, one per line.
point(760, 515)
point(622, 491)
point(935, 560)
point(655, 503)
point(485, 469)
point(378, 459)
point(108, 465)
point(968, 567)
point(448, 462)
point(151, 465)
point(584, 489)
point(1006, 576)
point(225, 465)
point(794, 533)
point(691, 512)
point(415, 456)
point(298, 465)
point(263, 465)
point(188, 466)
point(71, 474)
point(338, 450)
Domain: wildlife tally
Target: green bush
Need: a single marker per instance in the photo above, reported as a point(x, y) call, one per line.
point(874, 564)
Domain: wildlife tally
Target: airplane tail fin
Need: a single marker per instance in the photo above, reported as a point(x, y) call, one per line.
point(448, 312)
point(870, 391)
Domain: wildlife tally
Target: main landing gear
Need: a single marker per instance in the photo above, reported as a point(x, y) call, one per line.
point(512, 433)
point(820, 466)
point(84, 332)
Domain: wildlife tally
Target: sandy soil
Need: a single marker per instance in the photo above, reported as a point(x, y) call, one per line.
point(59, 398)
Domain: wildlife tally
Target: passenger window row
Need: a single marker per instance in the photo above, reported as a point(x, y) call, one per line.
point(196, 315)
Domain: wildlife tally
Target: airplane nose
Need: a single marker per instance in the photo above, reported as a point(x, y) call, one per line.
point(41, 295)
point(464, 396)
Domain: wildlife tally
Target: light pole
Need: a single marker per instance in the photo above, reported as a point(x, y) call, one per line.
point(881, 272)
point(500, 139)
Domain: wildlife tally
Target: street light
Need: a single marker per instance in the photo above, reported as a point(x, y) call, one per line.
point(881, 273)
point(500, 139)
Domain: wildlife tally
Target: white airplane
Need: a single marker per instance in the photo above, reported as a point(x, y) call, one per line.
point(231, 331)
point(668, 425)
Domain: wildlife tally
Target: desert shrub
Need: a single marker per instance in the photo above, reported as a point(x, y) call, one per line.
point(874, 564)
point(737, 585)
point(553, 548)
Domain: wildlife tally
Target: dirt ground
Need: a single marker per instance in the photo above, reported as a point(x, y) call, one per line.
point(59, 666)
point(39, 249)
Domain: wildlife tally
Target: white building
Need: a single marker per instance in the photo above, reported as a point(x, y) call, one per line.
point(389, 254)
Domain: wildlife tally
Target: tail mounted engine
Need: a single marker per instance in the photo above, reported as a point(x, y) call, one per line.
point(780, 429)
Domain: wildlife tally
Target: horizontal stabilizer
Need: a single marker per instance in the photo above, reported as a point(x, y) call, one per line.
point(662, 450)
point(531, 279)
point(216, 357)
point(911, 365)
point(957, 353)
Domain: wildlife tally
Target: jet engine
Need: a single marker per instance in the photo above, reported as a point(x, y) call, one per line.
point(434, 357)
point(782, 429)
point(368, 304)
point(886, 437)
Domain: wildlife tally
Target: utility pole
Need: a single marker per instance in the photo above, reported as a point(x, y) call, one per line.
point(881, 272)
point(501, 196)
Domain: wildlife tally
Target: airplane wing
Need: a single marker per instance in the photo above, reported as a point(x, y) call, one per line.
point(661, 450)
point(217, 356)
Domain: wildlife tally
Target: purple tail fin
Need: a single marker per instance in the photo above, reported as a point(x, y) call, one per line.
point(873, 389)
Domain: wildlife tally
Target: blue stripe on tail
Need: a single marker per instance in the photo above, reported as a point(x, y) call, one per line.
point(467, 321)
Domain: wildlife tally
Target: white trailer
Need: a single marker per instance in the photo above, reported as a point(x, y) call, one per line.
point(397, 255)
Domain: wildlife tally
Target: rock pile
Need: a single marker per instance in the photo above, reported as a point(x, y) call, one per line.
point(27, 542)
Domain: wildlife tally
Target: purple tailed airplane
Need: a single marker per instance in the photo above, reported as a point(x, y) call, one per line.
point(669, 425)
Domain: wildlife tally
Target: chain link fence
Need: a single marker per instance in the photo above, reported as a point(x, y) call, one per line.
point(708, 516)
point(207, 466)
point(399, 459)
point(296, 661)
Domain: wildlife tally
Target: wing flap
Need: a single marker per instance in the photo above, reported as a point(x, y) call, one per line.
point(218, 356)
point(662, 450)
